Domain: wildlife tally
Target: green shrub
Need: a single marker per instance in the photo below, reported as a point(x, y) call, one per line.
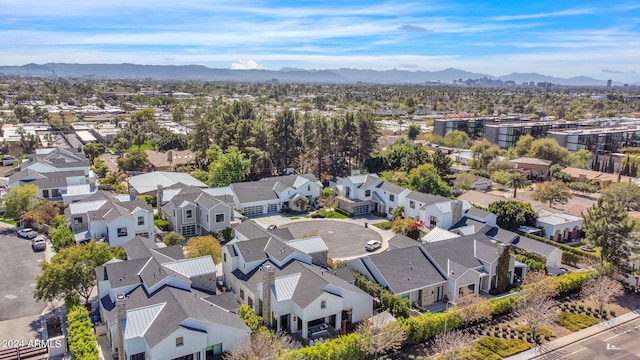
point(384, 225)
point(172, 238)
point(343, 212)
point(343, 347)
point(82, 343)
point(419, 329)
point(503, 348)
point(503, 305)
point(226, 234)
point(162, 224)
point(575, 322)
point(581, 307)
point(396, 305)
point(613, 313)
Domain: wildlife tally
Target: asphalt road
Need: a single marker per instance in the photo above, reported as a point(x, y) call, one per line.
point(618, 343)
point(344, 239)
point(18, 271)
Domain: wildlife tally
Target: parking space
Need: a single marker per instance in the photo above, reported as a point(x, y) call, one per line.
point(344, 239)
point(18, 271)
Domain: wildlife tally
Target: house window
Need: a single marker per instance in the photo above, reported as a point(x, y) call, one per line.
point(77, 220)
point(140, 220)
point(45, 194)
point(367, 193)
point(412, 204)
point(55, 193)
point(250, 302)
point(219, 218)
point(308, 187)
point(392, 197)
point(138, 356)
point(347, 191)
point(323, 304)
point(241, 294)
point(122, 231)
point(189, 214)
point(224, 257)
point(179, 341)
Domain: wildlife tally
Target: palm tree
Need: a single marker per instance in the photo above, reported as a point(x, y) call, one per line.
point(516, 181)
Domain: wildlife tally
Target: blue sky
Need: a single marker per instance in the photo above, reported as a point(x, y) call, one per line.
point(561, 38)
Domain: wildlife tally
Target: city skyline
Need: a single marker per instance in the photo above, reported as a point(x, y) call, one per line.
point(561, 39)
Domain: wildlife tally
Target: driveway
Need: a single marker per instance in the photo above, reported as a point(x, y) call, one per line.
point(18, 271)
point(345, 239)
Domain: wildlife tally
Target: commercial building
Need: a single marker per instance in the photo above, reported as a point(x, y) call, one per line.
point(598, 140)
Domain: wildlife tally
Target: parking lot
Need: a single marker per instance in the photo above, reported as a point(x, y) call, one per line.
point(18, 271)
point(344, 239)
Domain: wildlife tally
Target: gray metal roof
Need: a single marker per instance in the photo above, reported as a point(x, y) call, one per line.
point(140, 319)
point(309, 245)
point(192, 267)
point(149, 182)
point(285, 286)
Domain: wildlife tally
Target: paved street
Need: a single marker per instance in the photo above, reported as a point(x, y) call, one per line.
point(18, 271)
point(617, 343)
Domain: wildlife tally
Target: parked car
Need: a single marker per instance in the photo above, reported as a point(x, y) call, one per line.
point(272, 227)
point(39, 243)
point(27, 233)
point(373, 245)
point(8, 160)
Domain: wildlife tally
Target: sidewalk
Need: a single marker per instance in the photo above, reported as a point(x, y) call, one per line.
point(579, 335)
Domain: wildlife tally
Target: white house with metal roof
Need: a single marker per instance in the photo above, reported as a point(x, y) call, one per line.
point(116, 218)
point(148, 183)
point(282, 281)
point(158, 305)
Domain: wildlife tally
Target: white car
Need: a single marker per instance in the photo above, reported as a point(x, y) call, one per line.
point(373, 245)
point(27, 233)
point(39, 243)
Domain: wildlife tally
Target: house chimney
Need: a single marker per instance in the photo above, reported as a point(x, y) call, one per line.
point(475, 249)
point(268, 280)
point(456, 211)
point(159, 198)
point(121, 316)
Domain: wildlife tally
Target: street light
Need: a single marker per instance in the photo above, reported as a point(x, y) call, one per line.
point(446, 318)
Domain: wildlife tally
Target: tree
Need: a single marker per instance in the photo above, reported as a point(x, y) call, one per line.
point(229, 167)
point(82, 343)
point(424, 178)
point(548, 149)
point(406, 226)
point(607, 225)
point(456, 139)
point(474, 308)
point(626, 194)
point(378, 337)
point(578, 160)
point(43, 212)
point(262, 344)
point(172, 238)
point(501, 177)
point(452, 345)
point(71, 271)
point(133, 160)
point(413, 131)
point(513, 214)
point(523, 145)
point(248, 315)
point(20, 199)
point(100, 168)
point(584, 188)
point(61, 237)
point(202, 246)
point(502, 268)
point(483, 152)
point(23, 113)
point(516, 181)
point(602, 290)
point(94, 150)
point(442, 162)
point(552, 192)
point(536, 307)
point(464, 180)
point(28, 141)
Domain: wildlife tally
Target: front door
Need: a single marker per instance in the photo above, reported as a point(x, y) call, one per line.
point(285, 323)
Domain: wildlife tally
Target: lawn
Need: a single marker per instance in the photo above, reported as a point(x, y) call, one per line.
point(9, 221)
point(145, 146)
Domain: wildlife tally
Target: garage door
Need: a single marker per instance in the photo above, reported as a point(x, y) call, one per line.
point(188, 230)
point(272, 208)
point(253, 210)
point(361, 209)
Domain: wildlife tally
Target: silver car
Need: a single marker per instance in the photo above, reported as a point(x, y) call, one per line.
point(27, 233)
point(39, 243)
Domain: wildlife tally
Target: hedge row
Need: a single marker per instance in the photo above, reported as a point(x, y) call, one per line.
point(394, 304)
point(503, 348)
point(343, 212)
point(419, 329)
point(162, 224)
point(579, 253)
point(343, 347)
point(575, 322)
point(82, 343)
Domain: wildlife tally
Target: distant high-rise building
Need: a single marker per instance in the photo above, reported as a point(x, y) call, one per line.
point(609, 83)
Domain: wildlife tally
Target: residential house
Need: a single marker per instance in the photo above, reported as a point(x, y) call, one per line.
point(534, 168)
point(357, 194)
point(147, 184)
point(559, 227)
point(59, 174)
point(158, 305)
point(170, 160)
point(444, 213)
point(601, 179)
point(193, 211)
point(407, 272)
point(117, 218)
point(270, 195)
point(286, 284)
point(415, 202)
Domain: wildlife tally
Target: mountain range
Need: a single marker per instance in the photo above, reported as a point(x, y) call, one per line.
point(287, 75)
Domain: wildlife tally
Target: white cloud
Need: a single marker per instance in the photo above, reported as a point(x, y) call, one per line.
point(569, 12)
point(246, 65)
